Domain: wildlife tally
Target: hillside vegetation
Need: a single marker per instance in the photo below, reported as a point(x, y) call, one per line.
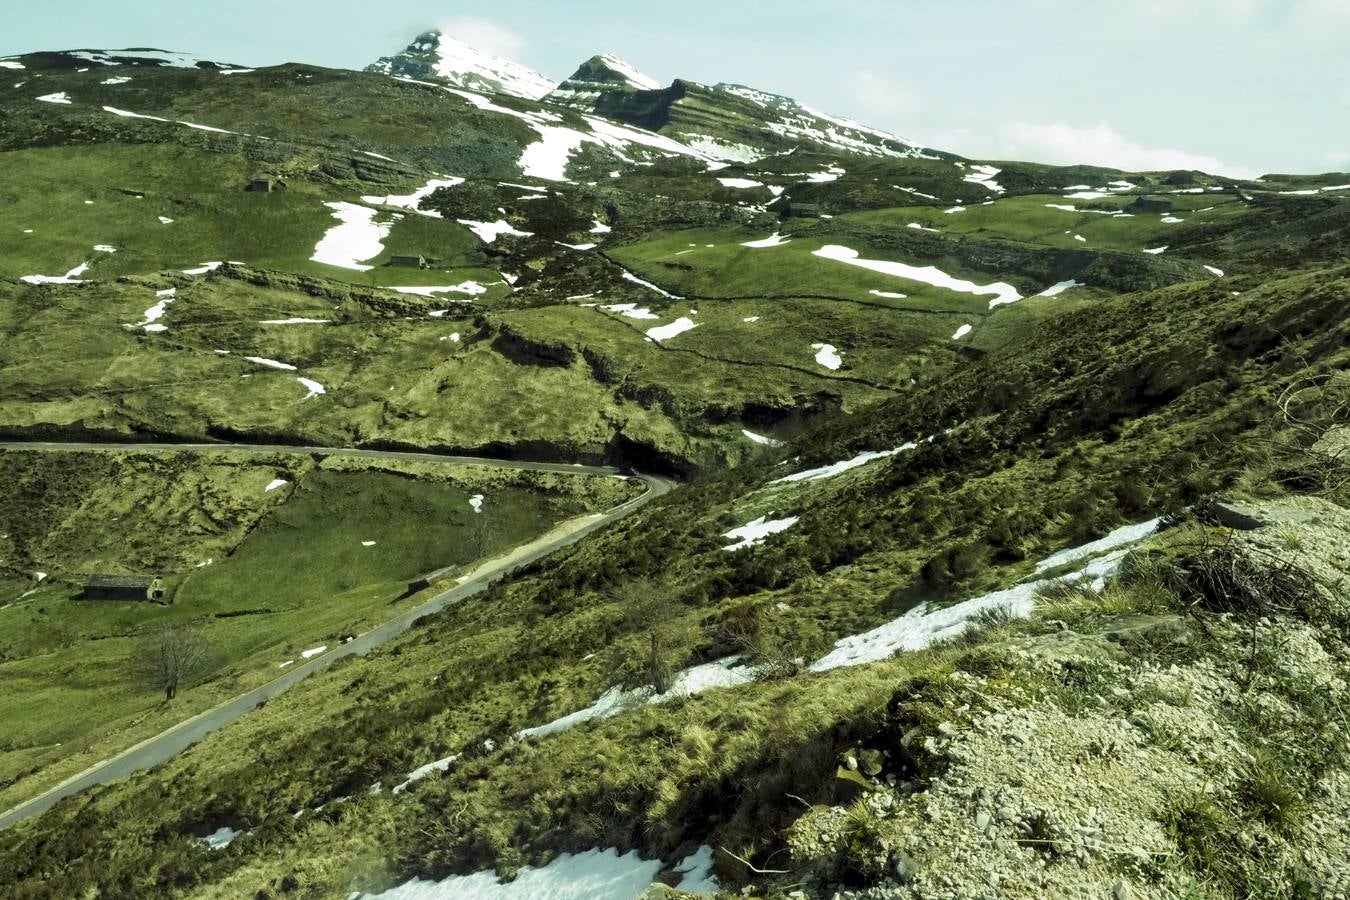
point(1009, 558)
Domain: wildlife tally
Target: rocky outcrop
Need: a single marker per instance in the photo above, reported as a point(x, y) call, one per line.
point(597, 78)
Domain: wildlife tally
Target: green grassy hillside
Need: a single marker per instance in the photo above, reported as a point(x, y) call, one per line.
point(842, 655)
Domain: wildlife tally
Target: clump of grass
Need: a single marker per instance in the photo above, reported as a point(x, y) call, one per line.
point(1266, 793)
point(1203, 832)
point(1225, 579)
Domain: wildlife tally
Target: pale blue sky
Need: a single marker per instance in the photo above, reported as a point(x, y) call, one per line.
point(1246, 86)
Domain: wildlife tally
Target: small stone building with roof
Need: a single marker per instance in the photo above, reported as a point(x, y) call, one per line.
point(124, 587)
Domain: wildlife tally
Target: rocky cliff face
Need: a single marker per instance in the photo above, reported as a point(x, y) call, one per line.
point(727, 121)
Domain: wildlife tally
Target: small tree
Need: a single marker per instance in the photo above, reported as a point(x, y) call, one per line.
point(482, 530)
point(172, 655)
point(648, 607)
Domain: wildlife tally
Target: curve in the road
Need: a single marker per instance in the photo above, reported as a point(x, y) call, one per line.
point(168, 744)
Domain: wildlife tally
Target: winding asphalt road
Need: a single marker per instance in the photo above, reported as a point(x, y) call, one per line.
point(168, 744)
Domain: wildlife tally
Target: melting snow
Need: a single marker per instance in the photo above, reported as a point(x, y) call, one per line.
point(917, 227)
point(961, 332)
point(156, 312)
point(55, 98)
point(753, 533)
point(1127, 534)
point(1215, 270)
point(440, 765)
point(889, 295)
point(466, 287)
point(828, 356)
point(774, 240)
point(489, 231)
point(629, 276)
point(750, 319)
point(740, 183)
point(592, 875)
point(476, 502)
point(1172, 220)
point(220, 838)
point(71, 277)
point(203, 268)
point(1005, 293)
point(274, 484)
point(1156, 250)
point(358, 237)
point(10, 64)
point(696, 872)
point(921, 626)
point(694, 680)
point(412, 201)
point(834, 469)
point(632, 311)
point(985, 175)
point(165, 220)
point(761, 439)
point(270, 363)
point(1058, 288)
point(666, 332)
point(315, 389)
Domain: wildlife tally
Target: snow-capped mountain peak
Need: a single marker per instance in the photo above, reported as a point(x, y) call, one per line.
point(442, 57)
point(634, 78)
point(599, 75)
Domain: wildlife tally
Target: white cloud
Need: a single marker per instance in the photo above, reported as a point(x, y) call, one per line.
point(883, 98)
point(486, 36)
point(1062, 144)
